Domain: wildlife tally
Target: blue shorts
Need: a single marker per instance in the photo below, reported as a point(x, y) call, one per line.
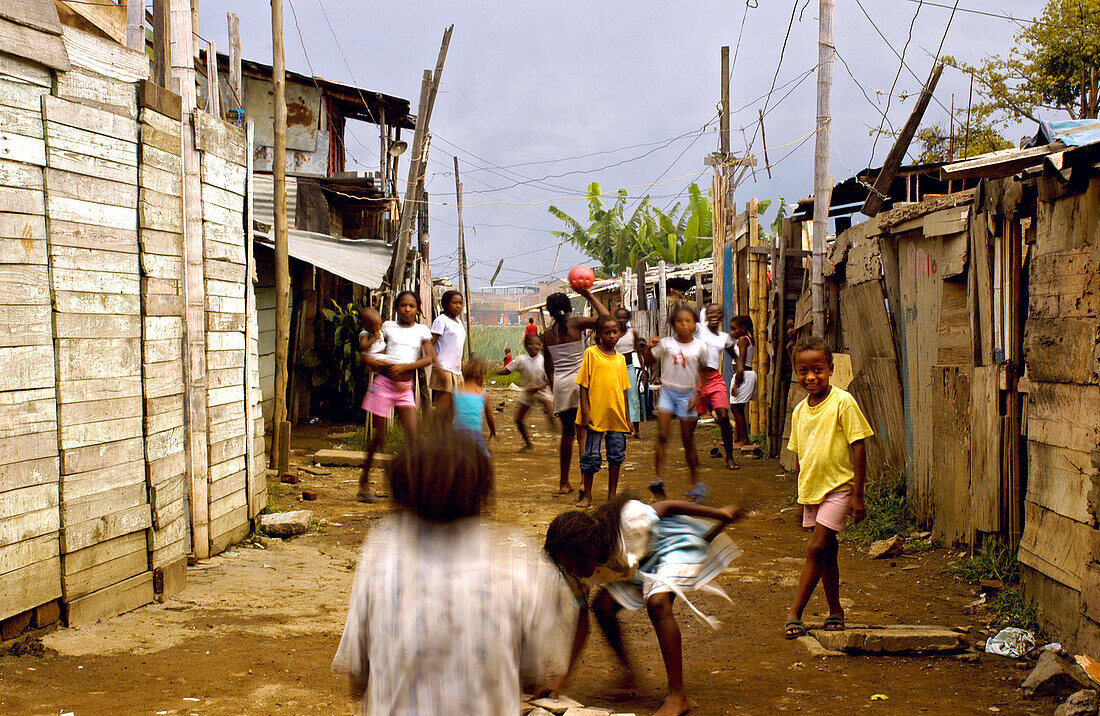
point(616, 451)
point(677, 402)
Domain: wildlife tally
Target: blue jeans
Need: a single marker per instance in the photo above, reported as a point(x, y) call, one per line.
point(677, 402)
point(591, 461)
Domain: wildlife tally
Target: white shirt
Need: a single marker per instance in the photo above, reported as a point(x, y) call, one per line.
point(447, 619)
point(625, 344)
point(452, 338)
point(404, 343)
point(716, 343)
point(532, 368)
point(680, 362)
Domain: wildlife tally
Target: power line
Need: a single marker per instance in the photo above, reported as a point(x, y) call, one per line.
point(1000, 16)
point(893, 84)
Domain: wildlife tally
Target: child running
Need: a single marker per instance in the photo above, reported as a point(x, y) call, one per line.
point(532, 367)
point(681, 356)
point(743, 385)
point(640, 555)
point(827, 434)
point(408, 346)
point(448, 339)
point(604, 389)
point(471, 406)
point(449, 615)
point(628, 346)
point(713, 395)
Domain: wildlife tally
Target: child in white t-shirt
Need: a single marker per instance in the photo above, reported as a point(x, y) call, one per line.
point(536, 385)
point(448, 339)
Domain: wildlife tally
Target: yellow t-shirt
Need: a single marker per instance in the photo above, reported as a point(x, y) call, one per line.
point(606, 379)
point(821, 436)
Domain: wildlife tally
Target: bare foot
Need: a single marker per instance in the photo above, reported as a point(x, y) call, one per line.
point(624, 686)
point(675, 705)
point(584, 501)
point(526, 447)
point(738, 446)
point(565, 489)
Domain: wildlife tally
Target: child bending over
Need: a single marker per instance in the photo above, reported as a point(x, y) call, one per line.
point(827, 434)
point(536, 385)
point(639, 554)
point(471, 406)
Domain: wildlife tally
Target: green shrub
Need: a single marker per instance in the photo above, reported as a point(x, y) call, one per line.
point(1014, 609)
point(993, 561)
point(887, 509)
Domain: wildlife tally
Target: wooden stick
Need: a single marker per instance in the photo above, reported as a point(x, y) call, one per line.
point(281, 444)
point(135, 25)
point(462, 259)
point(235, 100)
point(162, 47)
point(213, 87)
point(822, 187)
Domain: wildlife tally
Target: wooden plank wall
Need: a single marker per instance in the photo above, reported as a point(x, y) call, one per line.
point(30, 564)
point(223, 160)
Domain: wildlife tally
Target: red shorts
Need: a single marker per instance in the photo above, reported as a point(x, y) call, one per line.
point(712, 393)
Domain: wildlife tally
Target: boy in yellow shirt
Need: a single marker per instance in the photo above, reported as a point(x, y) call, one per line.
point(604, 381)
point(827, 434)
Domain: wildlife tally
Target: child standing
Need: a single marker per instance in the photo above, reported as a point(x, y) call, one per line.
point(507, 357)
point(604, 389)
point(743, 385)
point(448, 339)
point(713, 394)
point(536, 385)
point(640, 555)
point(471, 405)
point(628, 346)
point(681, 355)
point(449, 615)
point(827, 434)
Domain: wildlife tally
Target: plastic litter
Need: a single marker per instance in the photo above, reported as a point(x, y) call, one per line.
point(1011, 642)
point(1053, 646)
point(879, 697)
point(314, 421)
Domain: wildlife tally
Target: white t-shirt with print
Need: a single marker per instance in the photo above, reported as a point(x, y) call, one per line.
point(532, 368)
point(716, 344)
point(404, 343)
point(680, 362)
point(452, 339)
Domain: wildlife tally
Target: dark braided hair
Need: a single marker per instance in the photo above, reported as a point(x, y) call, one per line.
point(603, 319)
point(579, 534)
point(559, 307)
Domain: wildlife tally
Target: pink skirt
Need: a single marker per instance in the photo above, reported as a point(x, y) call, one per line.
point(385, 394)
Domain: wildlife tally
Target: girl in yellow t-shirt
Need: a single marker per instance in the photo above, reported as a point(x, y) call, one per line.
point(827, 434)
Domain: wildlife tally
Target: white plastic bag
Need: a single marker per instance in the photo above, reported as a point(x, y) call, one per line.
point(1011, 642)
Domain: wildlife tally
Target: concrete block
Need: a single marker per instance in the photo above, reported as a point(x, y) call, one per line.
point(347, 458)
point(1079, 703)
point(46, 614)
point(556, 706)
point(286, 524)
point(12, 627)
point(891, 639)
point(887, 547)
point(582, 711)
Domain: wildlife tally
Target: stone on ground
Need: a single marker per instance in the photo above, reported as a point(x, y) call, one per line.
point(582, 711)
point(891, 639)
point(286, 524)
point(556, 706)
point(887, 547)
point(1056, 676)
point(540, 712)
point(1080, 703)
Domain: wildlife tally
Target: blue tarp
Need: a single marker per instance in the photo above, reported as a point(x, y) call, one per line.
point(1071, 132)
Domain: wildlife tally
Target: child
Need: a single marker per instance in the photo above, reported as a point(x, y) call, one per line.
point(408, 347)
point(449, 615)
point(743, 385)
point(628, 346)
point(639, 555)
point(471, 406)
point(371, 341)
point(681, 357)
point(507, 356)
point(604, 389)
point(536, 385)
point(448, 339)
point(712, 390)
point(827, 434)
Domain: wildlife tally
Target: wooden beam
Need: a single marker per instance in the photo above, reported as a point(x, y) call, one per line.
point(1002, 163)
point(235, 100)
point(462, 259)
point(724, 119)
point(280, 450)
point(889, 170)
point(213, 87)
point(135, 25)
point(162, 49)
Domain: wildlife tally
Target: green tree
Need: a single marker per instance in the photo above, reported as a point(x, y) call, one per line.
point(609, 238)
point(678, 236)
point(971, 139)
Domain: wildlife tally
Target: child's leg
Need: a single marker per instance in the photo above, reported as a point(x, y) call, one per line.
point(664, 422)
point(616, 453)
point(565, 449)
point(830, 578)
point(822, 543)
point(722, 417)
point(590, 465)
point(520, 413)
point(606, 608)
point(407, 416)
point(659, 607)
point(687, 436)
point(377, 439)
point(741, 426)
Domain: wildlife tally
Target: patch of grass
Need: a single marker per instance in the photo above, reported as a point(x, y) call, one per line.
point(993, 561)
point(1014, 609)
point(502, 380)
point(919, 545)
point(318, 526)
point(887, 510)
point(761, 441)
point(395, 439)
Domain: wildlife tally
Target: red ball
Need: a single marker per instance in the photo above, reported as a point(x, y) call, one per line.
point(581, 277)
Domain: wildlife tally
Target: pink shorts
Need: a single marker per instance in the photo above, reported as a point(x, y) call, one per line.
point(712, 393)
point(385, 394)
point(832, 512)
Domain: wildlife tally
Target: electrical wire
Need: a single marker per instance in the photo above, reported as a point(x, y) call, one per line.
point(893, 84)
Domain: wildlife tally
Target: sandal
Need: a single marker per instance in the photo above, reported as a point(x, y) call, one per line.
point(657, 487)
point(833, 623)
point(699, 494)
point(731, 465)
point(367, 497)
point(794, 629)
point(715, 452)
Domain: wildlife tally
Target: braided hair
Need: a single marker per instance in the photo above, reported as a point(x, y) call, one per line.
point(577, 535)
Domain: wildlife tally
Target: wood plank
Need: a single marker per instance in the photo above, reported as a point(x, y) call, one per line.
point(160, 286)
point(226, 449)
point(225, 475)
point(30, 551)
point(85, 534)
point(28, 473)
point(1064, 415)
point(25, 123)
point(98, 91)
point(161, 305)
point(70, 185)
point(223, 378)
point(214, 195)
point(1002, 163)
point(110, 58)
point(42, 47)
point(163, 379)
point(22, 251)
point(82, 485)
point(89, 119)
point(18, 94)
point(91, 281)
point(26, 412)
point(159, 266)
point(25, 326)
point(15, 147)
point(1063, 350)
point(159, 351)
point(230, 177)
point(951, 459)
point(225, 271)
point(167, 468)
point(23, 448)
point(225, 340)
point(162, 181)
point(1059, 479)
point(104, 455)
point(166, 141)
point(23, 227)
point(164, 444)
point(954, 343)
point(231, 219)
point(163, 328)
point(225, 359)
point(97, 325)
point(170, 511)
point(228, 529)
point(21, 508)
point(103, 574)
point(91, 236)
point(24, 285)
point(75, 258)
point(946, 222)
point(165, 494)
point(160, 215)
point(91, 212)
point(35, 15)
point(26, 367)
point(160, 159)
point(90, 302)
point(218, 137)
point(116, 599)
point(86, 559)
point(101, 504)
point(167, 539)
point(1065, 284)
point(97, 433)
point(165, 243)
point(985, 450)
point(29, 587)
point(160, 101)
point(80, 162)
point(1054, 545)
point(21, 200)
point(220, 250)
point(88, 358)
point(156, 423)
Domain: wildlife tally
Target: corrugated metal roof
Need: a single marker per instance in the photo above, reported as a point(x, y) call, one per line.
point(1071, 132)
point(263, 199)
point(361, 262)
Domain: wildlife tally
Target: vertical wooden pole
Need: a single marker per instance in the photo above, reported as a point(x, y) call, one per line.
point(662, 299)
point(162, 44)
point(724, 118)
point(427, 298)
point(281, 445)
point(254, 476)
point(135, 25)
point(462, 260)
point(700, 303)
point(213, 86)
point(822, 188)
point(235, 100)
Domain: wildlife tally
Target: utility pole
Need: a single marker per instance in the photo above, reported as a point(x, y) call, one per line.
point(280, 446)
point(724, 117)
point(822, 183)
point(462, 258)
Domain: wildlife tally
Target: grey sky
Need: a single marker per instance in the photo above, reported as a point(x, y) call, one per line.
point(529, 85)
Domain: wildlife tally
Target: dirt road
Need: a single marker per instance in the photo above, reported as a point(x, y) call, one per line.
point(255, 630)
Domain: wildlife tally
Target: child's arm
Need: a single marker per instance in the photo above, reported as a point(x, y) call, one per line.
point(650, 359)
point(490, 420)
point(739, 368)
point(859, 466)
point(555, 686)
point(727, 514)
point(585, 410)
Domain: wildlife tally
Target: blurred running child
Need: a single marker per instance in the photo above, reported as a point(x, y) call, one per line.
point(640, 555)
point(448, 338)
point(498, 612)
point(408, 347)
point(471, 405)
point(536, 386)
point(827, 434)
point(713, 394)
point(743, 385)
point(604, 390)
point(628, 346)
point(682, 355)
point(507, 356)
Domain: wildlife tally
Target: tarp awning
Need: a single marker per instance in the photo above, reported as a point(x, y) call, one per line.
point(362, 262)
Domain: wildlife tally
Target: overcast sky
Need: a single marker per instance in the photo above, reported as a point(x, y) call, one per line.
point(539, 99)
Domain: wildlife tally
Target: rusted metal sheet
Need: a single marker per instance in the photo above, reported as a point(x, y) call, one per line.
point(303, 107)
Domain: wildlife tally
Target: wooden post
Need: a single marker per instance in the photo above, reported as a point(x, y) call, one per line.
point(235, 100)
point(254, 476)
point(700, 304)
point(135, 25)
point(281, 445)
point(752, 307)
point(822, 189)
point(213, 87)
point(662, 299)
point(462, 260)
point(427, 298)
point(642, 299)
point(162, 48)
point(724, 117)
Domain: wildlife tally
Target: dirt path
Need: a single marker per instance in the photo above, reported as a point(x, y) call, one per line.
point(255, 630)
